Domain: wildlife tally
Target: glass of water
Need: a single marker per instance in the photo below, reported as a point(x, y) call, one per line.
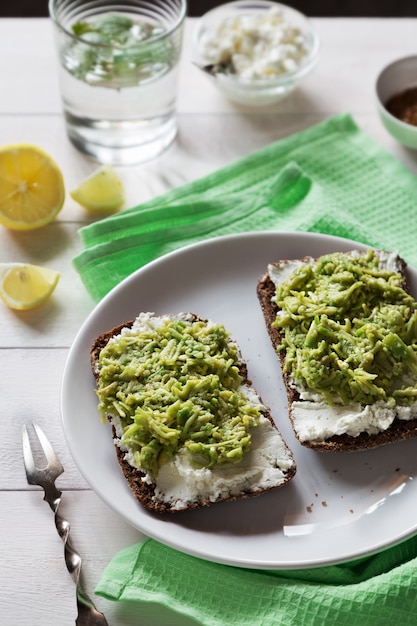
point(118, 66)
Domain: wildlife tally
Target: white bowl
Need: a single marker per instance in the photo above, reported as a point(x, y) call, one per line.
point(255, 91)
point(394, 79)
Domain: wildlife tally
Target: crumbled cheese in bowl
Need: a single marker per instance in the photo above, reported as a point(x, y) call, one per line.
point(256, 45)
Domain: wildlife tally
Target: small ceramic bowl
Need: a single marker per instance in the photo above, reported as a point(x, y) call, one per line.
point(394, 80)
point(267, 87)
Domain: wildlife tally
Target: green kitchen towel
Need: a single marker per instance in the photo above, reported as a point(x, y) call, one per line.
point(331, 178)
point(376, 591)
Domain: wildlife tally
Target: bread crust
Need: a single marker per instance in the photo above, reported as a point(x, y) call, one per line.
point(144, 491)
point(399, 429)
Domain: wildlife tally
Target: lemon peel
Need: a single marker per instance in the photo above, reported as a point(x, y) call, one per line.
point(24, 286)
point(100, 191)
point(32, 190)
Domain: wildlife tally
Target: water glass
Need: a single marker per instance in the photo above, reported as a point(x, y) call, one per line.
point(118, 67)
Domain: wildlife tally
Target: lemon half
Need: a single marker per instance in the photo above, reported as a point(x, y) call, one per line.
point(101, 191)
point(32, 188)
point(24, 286)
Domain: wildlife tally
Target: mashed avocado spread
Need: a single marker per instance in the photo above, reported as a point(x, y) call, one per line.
point(349, 330)
point(174, 383)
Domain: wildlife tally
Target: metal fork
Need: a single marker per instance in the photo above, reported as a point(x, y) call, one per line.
point(45, 477)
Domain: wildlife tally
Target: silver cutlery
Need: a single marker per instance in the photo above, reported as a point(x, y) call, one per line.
point(45, 477)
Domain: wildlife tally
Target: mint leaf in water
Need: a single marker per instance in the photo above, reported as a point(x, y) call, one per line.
point(115, 27)
point(130, 54)
point(80, 28)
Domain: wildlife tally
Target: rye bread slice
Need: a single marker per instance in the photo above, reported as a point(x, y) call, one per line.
point(400, 429)
point(144, 487)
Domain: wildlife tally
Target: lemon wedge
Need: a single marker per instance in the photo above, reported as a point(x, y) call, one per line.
point(24, 286)
point(32, 188)
point(101, 191)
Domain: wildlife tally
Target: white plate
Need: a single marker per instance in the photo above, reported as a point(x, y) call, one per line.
point(338, 506)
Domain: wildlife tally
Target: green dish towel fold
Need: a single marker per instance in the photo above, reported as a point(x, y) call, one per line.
point(331, 178)
point(377, 591)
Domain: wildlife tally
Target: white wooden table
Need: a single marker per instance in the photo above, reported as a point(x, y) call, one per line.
point(35, 588)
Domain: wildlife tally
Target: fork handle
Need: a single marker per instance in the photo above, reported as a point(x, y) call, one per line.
point(53, 498)
point(87, 612)
point(52, 494)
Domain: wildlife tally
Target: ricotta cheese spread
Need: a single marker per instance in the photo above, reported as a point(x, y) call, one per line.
point(261, 468)
point(317, 421)
point(262, 45)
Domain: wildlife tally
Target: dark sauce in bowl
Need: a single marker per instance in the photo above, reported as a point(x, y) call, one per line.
point(403, 106)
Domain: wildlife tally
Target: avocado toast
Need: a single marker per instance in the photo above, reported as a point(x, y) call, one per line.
point(344, 327)
point(188, 427)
